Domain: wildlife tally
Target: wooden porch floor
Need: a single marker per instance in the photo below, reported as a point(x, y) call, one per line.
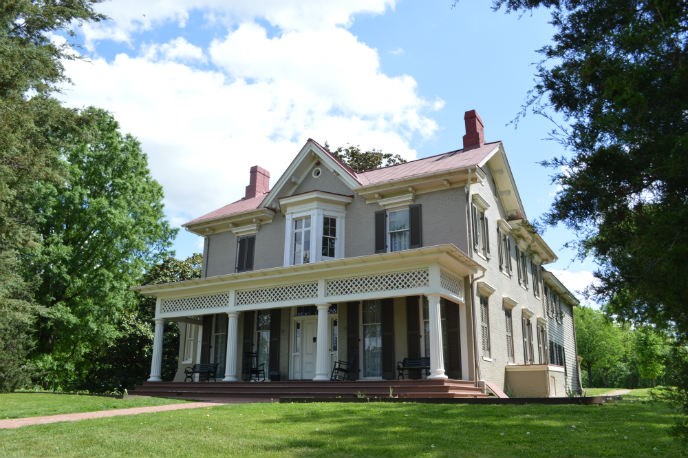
point(403, 389)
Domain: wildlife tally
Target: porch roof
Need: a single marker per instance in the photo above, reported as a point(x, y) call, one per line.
point(435, 269)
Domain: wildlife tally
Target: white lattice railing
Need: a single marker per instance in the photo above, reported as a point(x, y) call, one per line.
point(374, 283)
point(356, 287)
point(278, 294)
point(190, 304)
point(452, 283)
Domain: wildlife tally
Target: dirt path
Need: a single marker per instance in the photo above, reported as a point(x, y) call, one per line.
point(620, 392)
point(19, 422)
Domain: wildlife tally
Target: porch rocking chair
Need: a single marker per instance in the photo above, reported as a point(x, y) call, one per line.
point(256, 372)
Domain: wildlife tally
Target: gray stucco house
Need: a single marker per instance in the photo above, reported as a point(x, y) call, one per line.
point(432, 258)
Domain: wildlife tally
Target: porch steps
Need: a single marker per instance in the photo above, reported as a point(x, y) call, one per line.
point(404, 389)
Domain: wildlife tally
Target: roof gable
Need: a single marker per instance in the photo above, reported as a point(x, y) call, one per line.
point(505, 185)
point(302, 164)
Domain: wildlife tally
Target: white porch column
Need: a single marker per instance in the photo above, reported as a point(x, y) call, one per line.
point(322, 370)
point(231, 355)
point(436, 348)
point(156, 362)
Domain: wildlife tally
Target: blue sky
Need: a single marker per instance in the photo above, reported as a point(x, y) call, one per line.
point(212, 87)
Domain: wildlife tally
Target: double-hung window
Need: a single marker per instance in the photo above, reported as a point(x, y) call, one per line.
point(528, 353)
point(504, 241)
point(301, 247)
point(479, 227)
point(537, 278)
point(329, 237)
point(522, 267)
point(542, 342)
point(398, 229)
point(314, 227)
point(509, 335)
point(485, 326)
point(189, 340)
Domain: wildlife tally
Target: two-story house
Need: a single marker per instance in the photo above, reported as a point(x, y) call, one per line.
point(432, 258)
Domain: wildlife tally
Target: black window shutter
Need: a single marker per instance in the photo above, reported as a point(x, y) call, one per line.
point(248, 340)
point(416, 223)
point(388, 361)
point(352, 338)
point(250, 248)
point(275, 322)
point(452, 320)
point(380, 231)
point(487, 237)
point(205, 340)
point(412, 327)
point(241, 254)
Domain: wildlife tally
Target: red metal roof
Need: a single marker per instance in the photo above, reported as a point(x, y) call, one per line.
point(453, 160)
point(240, 206)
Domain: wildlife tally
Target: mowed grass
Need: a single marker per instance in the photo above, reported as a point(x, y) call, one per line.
point(625, 429)
point(19, 405)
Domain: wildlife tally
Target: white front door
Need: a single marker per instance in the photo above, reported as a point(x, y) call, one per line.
point(304, 331)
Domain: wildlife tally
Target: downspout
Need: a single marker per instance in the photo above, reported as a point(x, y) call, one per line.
point(473, 279)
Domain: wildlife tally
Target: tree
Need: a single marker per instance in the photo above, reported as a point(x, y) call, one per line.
point(126, 361)
point(100, 230)
point(362, 161)
point(600, 344)
point(618, 72)
point(31, 67)
point(650, 348)
point(169, 271)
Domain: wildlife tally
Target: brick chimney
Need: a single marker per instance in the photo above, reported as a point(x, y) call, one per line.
point(474, 138)
point(260, 182)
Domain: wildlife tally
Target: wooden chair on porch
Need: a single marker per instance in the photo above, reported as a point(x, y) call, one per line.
point(255, 372)
point(341, 371)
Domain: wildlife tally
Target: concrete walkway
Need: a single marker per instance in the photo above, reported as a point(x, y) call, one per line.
point(19, 422)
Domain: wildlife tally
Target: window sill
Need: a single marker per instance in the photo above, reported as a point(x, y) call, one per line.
point(485, 358)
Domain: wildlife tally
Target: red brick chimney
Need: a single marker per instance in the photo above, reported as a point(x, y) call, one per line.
point(474, 138)
point(260, 182)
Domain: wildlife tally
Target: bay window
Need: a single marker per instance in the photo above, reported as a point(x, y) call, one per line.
point(314, 227)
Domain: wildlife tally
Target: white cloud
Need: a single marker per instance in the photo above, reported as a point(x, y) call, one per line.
point(348, 80)
point(577, 283)
point(176, 50)
point(131, 16)
point(255, 103)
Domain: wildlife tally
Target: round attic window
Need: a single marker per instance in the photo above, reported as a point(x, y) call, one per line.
point(316, 172)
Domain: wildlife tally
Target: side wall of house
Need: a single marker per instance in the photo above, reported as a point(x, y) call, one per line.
point(572, 376)
point(492, 368)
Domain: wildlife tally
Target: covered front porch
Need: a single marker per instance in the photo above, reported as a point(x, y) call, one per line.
point(296, 321)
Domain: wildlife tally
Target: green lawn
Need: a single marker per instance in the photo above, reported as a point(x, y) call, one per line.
point(18, 405)
point(626, 429)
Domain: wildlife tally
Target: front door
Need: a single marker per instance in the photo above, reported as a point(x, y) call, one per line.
point(304, 332)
